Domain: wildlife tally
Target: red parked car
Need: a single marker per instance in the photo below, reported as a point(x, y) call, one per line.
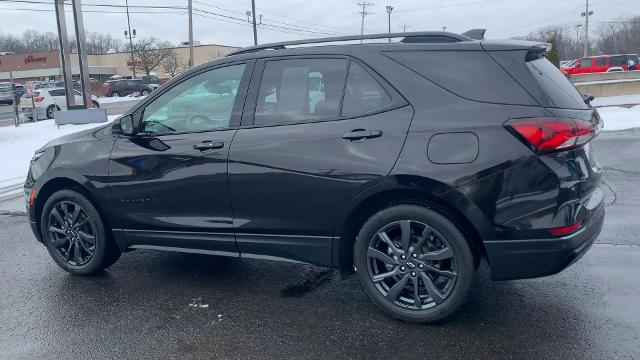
point(603, 63)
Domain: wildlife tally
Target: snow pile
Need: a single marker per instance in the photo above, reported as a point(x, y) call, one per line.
point(620, 118)
point(616, 100)
point(109, 100)
point(18, 144)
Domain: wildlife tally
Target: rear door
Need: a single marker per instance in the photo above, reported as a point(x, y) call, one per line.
point(169, 182)
point(312, 139)
point(601, 64)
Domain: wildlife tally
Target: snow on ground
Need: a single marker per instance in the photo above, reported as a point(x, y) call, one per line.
point(18, 144)
point(109, 100)
point(620, 118)
point(616, 100)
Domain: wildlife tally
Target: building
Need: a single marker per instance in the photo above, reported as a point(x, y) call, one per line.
point(43, 66)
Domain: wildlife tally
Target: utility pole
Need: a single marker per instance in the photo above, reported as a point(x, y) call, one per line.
point(364, 13)
point(586, 15)
point(130, 35)
point(389, 10)
point(255, 29)
point(15, 100)
point(190, 33)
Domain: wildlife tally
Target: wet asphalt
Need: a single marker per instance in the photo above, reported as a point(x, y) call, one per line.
point(153, 305)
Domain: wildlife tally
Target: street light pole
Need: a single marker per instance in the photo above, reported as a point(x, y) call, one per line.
point(255, 29)
point(586, 15)
point(190, 33)
point(389, 10)
point(130, 36)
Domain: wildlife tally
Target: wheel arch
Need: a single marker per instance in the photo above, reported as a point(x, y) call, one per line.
point(406, 190)
point(55, 184)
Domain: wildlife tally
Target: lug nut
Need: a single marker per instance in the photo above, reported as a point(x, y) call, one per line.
point(414, 256)
point(403, 257)
point(402, 268)
point(421, 266)
point(413, 274)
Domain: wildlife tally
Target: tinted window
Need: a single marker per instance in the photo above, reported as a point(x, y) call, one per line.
point(57, 92)
point(300, 90)
point(618, 60)
point(363, 93)
point(560, 92)
point(201, 103)
point(601, 61)
point(472, 75)
point(585, 62)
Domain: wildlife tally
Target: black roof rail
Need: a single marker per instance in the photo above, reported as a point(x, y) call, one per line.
point(407, 37)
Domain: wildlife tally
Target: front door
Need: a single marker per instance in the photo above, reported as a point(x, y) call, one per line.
point(169, 181)
point(307, 152)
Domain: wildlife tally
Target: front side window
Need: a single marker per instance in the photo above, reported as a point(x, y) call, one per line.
point(300, 90)
point(363, 93)
point(585, 62)
point(203, 102)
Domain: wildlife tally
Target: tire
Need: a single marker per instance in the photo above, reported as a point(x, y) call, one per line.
point(51, 110)
point(70, 246)
point(115, 94)
point(95, 104)
point(145, 92)
point(445, 261)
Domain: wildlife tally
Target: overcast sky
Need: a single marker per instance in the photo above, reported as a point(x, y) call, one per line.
point(295, 19)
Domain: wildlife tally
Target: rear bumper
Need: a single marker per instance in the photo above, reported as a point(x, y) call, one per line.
point(524, 259)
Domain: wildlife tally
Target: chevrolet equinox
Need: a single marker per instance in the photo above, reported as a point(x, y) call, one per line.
point(406, 162)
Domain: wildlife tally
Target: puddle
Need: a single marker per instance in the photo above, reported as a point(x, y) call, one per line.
point(312, 278)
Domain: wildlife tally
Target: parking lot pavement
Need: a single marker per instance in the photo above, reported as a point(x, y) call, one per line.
point(166, 305)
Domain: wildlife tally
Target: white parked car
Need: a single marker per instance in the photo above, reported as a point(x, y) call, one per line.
point(47, 101)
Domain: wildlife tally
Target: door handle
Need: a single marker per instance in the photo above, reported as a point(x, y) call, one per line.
point(208, 145)
point(361, 134)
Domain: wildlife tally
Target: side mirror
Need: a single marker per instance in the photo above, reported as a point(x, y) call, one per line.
point(588, 99)
point(123, 126)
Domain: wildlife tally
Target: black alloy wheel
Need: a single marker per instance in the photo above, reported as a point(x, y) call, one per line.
point(72, 233)
point(413, 263)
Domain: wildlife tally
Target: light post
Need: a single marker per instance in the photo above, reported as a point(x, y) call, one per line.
point(130, 36)
point(251, 19)
point(389, 10)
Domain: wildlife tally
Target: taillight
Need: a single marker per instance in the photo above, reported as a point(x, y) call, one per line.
point(38, 99)
point(550, 134)
point(566, 229)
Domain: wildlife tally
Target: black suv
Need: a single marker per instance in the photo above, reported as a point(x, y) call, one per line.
point(124, 87)
point(407, 162)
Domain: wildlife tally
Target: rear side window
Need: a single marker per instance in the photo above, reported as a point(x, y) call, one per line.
point(363, 93)
point(300, 90)
point(473, 75)
point(559, 91)
point(618, 60)
point(601, 61)
point(57, 92)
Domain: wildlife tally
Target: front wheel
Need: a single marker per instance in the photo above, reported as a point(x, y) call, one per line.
point(145, 92)
point(413, 263)
point(75, 234)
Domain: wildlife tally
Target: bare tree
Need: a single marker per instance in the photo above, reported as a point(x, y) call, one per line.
point(567, 40)
point(619, 37)
point(149, 53)
point(172, 65)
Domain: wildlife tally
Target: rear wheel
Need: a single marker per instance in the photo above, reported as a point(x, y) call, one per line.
point(75, 234)
point(145, 92)
point(51, 111)
point(413, 263)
